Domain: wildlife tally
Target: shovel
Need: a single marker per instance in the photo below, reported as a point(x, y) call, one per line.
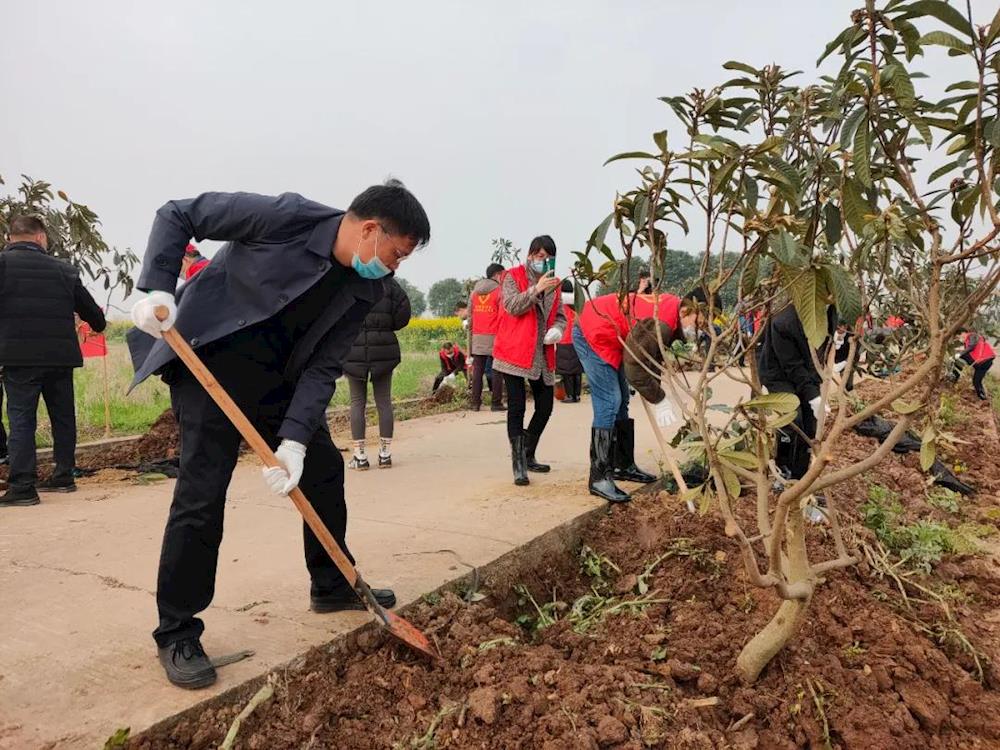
point(396, 625)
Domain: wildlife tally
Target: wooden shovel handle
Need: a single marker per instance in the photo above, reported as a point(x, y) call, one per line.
point(256, 443)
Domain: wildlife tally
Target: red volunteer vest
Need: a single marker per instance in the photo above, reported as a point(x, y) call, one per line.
point(570, 313)
point(605, 325)
point(484, 310)
point(982, 351)
point(517, 335)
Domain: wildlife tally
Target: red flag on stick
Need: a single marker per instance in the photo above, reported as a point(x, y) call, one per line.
point(92, 344)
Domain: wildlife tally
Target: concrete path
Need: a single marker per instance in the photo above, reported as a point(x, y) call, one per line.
point(78, 572)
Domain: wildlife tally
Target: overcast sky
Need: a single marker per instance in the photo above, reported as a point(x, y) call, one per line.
point(498, 115)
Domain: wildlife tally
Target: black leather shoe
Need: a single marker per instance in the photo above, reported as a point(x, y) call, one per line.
point(518, 461)
point(56, 485)
point(601, 483)
point(530, 443)
point(19, 497)
point(625, 469)
point(347, 600)
point(186, 664)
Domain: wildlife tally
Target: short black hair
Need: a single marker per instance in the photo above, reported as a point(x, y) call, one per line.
point(567, 285)
point(543, 242)
point(396, 207)
point(21, 225)
point(492, 269)
point(699, 295)
point(461, 303)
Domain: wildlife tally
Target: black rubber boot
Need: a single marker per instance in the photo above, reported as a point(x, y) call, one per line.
point(601, 484)
point(518, 461)
point(625, 469)
point(530, 443)
point(347, 599)
point(186, 664)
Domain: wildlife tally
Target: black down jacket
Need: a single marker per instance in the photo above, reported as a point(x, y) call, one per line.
point(376, 350)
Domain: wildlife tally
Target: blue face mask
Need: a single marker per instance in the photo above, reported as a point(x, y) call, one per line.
point(538, 266)
point(373, 269)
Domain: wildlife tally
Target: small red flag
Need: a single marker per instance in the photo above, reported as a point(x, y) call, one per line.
point(91, 344)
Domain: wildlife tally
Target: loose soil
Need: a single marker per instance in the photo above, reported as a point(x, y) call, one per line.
point(866, 670)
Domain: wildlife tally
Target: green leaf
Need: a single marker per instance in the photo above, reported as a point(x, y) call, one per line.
point(630, 155)
point(732, 482)
point(911, 37)
point(744, 459)
point(723, 174)
point(750, 190)
point(831, 223)
point(943, 170)
point(850, 126)
point(737, 65)
point(902, 86)
point(862, 163)
point(846, 293)
point(904, 407)
point(855, 206)
point(928, 450)
point(597, 237)
point(922, 127)
point(841, 38)
point(944, 39)
point(692, 493)
point(788, 250)
point(994, 29)
point(660, 139)
point(779, 402)
point(941, 11)
point(640, 212)
point(809, 295)
point(579, 299)
point(776, 423)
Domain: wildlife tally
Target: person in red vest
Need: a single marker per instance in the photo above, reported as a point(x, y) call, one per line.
point(484, 316)
point(567, 362)
point(531, 322)
point(978, 353)
point(599, 338)
point(193, 262)
point(452, 360)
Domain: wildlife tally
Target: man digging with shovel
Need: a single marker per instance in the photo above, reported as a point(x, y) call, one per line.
point(273, 316)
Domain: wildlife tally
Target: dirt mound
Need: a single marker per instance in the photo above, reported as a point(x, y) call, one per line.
point(160, 443)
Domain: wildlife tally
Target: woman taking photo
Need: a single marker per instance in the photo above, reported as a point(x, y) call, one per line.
point(374, 356)
point(531, 322)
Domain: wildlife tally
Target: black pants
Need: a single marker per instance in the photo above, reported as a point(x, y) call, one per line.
point(794, 451)
point(24, 385)
point(479, 362)
point(517, 397)
point(978, 371)
point(3, 432)
point(573, 385)
point(209, 450)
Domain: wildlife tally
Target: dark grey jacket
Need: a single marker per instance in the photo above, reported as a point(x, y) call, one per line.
point(376, 350)
point(784, 359)
point(38, 296)
point(278, 247)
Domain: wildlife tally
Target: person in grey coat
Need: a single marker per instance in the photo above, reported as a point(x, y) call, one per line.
point(273, 316)
point(373, 357)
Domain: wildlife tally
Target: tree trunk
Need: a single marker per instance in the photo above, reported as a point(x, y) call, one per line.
point(762, 647)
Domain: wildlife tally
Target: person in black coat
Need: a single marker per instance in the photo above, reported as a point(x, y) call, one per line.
point(273, 316)
point(374, 356)
point(39, 349)
point(785, 365)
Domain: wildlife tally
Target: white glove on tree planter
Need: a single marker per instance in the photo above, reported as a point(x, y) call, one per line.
point(144, 313)
point(552, 336)
point(814, 404)
point(283, 479)
point(665, 413)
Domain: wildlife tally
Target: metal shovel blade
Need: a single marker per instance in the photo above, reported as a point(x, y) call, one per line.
point(399, 627)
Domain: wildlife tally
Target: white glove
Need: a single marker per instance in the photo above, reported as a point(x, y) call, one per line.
point(144, 313)
point(450, 379)
point(664, 413)
point(552, 336)
point(840, 366)
point(283, 479)
point(814, 404)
